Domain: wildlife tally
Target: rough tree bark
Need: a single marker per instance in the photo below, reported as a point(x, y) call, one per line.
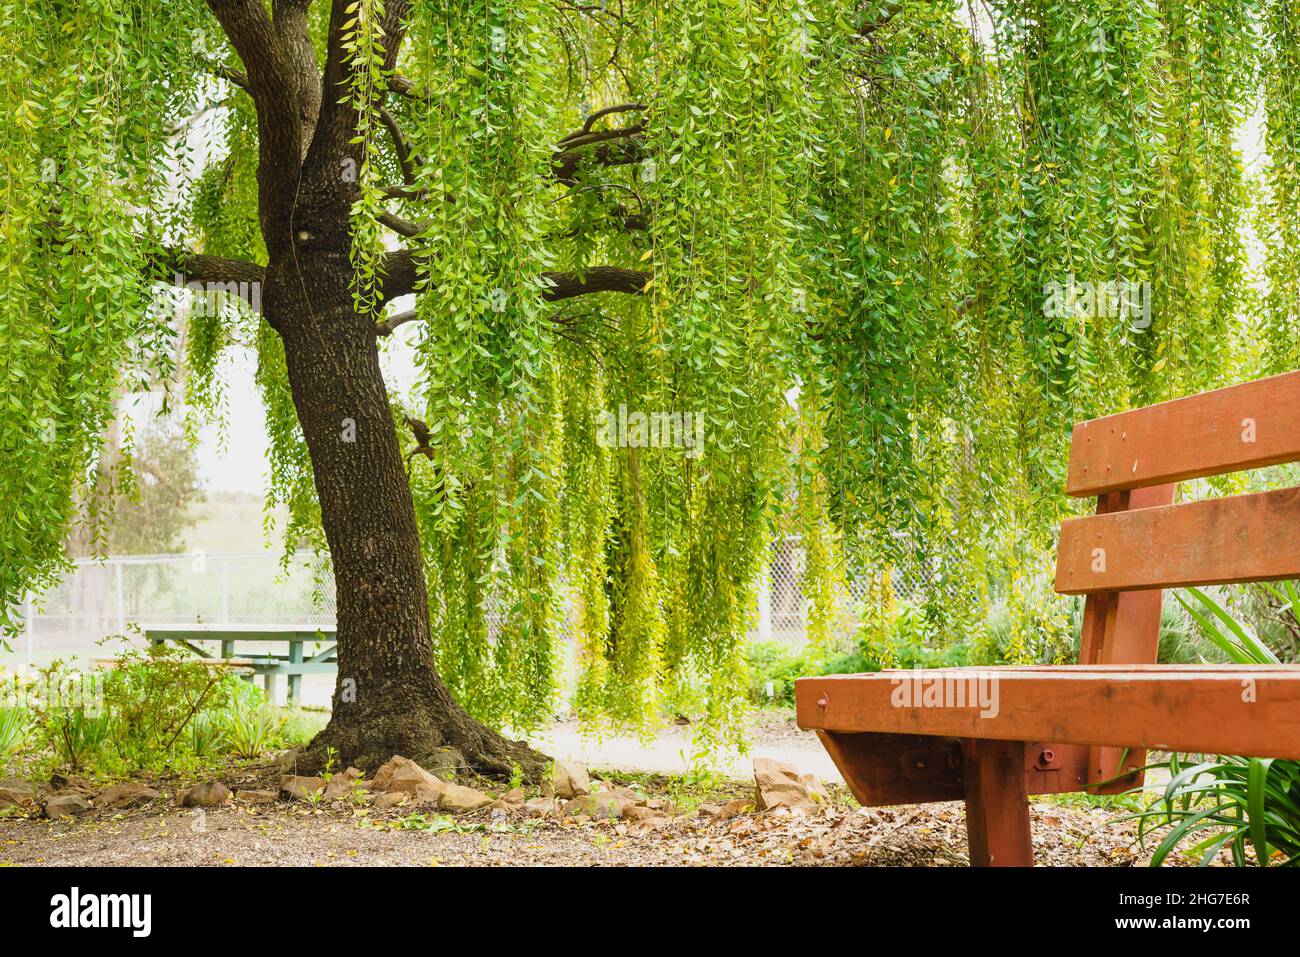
point(389, 699)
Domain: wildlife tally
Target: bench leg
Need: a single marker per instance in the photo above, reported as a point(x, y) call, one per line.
point(997, 804)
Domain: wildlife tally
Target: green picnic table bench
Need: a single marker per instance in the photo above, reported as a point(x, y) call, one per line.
point(293, 664)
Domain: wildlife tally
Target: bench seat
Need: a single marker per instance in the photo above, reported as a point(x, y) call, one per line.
point(1230, 709)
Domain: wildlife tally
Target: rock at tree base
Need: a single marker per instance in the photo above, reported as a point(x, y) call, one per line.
point(66, 804)
point(781, 785)
point(257, 797)
point(569, 779)
point(541, 807)
point(16, 793)
point(124, 795)
point(404, 775)
point(208, 794)
point(299, 787)
point(514, 796)
point(602, 806)
point(639, 812)
point(342, 785)
point(443, 763)
point(388, 799)
point(69, 782)
point(286, 762)
point(459, 799)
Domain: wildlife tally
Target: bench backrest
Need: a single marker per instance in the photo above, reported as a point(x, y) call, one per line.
point(1139, 542)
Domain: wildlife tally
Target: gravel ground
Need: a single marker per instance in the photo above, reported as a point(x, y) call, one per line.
point(348, 834)
point(343, 835)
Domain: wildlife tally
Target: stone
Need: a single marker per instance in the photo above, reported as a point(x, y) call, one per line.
point(514, 796)
point(299, 787)
point(388, 799)
point(459, 799)
point(124, 795)
point(601, 807)
point(639, 812)
point(404, 775)
point(733, 809)
point(62, 782)
point(66, 803)
point(257, 797)
point(777, 784)
point(429, 794)
point(16, 793)
point(342, 785)
point(541, 807)
point(570, 779)
point(207, 794)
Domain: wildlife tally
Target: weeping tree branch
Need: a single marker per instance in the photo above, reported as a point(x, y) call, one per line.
point(621, 147)
point(271, 82)
point(179, 267)
point(401, 148)
point(401, 270)
point(599, 115)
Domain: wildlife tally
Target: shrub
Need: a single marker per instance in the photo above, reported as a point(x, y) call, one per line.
point(1227, 801)
point(153, 698)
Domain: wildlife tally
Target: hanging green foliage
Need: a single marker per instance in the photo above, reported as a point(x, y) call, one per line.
point(687, 275)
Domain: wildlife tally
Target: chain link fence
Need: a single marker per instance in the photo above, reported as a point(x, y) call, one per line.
point(101, 598)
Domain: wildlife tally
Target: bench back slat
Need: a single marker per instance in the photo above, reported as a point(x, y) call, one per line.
point(1241, 427)
point(1219, 541)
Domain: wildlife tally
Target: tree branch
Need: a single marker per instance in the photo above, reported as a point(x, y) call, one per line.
point(401, 272)
point(616, 148)
point(401, 148)
point(179, 267)
point(567, 285)
point(279, 126)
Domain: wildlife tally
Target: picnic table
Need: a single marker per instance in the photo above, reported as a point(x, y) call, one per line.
point(233, 641)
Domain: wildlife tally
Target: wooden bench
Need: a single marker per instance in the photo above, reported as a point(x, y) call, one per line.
point(293, 664)
point(993, 736)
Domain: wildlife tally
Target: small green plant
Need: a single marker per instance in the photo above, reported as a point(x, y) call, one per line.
point(1228, 801)
point(250, 725)
point(13, 731)
point(206, 735)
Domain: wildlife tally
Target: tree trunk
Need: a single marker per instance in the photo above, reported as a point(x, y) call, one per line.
point(389, 699)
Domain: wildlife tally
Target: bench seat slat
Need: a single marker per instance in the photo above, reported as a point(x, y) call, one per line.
point(1253, 711)
point(1220, 541)
point(1230, 430)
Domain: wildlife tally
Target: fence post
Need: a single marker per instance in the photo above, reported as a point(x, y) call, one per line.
point(121, 598)
point(765, 604)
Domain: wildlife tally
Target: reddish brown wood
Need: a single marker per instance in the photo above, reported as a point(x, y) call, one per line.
point(1241, 427)
point(1122, 628)
point(1252, 710)
point(997, 804)
point(1220, 541)
point(884, 769)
